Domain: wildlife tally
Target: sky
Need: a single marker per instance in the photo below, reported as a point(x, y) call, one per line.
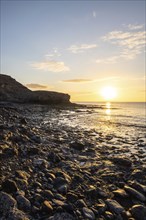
point(76, 47)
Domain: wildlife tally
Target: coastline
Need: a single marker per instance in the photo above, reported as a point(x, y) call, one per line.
point(53, 172)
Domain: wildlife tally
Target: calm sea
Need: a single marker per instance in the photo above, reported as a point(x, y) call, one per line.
point(118, 118)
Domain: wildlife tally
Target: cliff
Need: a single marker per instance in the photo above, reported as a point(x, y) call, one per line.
point(13, 91)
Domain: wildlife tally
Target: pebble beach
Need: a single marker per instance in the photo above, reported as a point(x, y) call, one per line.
point(62, 171)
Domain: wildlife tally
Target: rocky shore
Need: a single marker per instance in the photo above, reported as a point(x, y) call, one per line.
point(54, 172)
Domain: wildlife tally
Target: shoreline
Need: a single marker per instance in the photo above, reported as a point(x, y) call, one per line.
point(53, 172)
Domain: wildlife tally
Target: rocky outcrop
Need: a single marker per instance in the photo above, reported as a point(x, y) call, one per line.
point(13, 91)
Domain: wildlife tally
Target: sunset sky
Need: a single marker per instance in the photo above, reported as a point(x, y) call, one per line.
point(76, 47)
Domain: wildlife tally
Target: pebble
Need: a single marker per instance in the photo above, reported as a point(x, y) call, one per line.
point(114, 206)
point(9, 186)
point(47, 207)
point(138, 212)
point(88, 213)
point(135, 193)
point(7, 202)
point(23, 203)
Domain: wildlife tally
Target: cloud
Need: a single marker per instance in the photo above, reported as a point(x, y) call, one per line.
point(131, 43)
point(53, 66)
point(90, 80)
point(135, 26)
point(37, 86)
point(54, 53)
point(77, 80)
point(81, 48)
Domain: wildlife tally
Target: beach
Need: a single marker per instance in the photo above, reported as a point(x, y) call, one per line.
point(72, 162)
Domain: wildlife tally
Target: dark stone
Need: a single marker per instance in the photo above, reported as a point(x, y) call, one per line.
point(77, 145)
point(138, 212)
point(9, 186)
point(7, 202)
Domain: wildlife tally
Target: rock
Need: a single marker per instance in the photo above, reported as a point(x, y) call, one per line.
point(10, 152)
point(23, 203)
point(77, 145)
point(88, 213)
point(41, 163)
point(48, 194)
point(58, 202)
point(71, 197)
point(114, 206)
point(122, 161)
point(7, 202)
point(135, 193)
point(62, 216)
point(80, 203)
point(120, 193)
point(9, 186)
point(22, 174)
point(138, 212)
point(47, 207)
point(16, 214)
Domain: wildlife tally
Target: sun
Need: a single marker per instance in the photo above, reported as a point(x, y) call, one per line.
point(108, 93)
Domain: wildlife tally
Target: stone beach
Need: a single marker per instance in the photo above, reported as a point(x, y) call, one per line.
point(52, 171)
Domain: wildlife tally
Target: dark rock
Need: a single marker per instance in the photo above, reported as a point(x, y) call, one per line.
point(114, 206)
point(77, 145)
point(9, 186)
point(120, 193)
point(62, 216)
point(47, 194)
point(88, 213)
point(135, 193)
point(138, 212)
point(80, 203)
point(122, 161)
point(23, 203)
point(7, 202)
point(16, 214)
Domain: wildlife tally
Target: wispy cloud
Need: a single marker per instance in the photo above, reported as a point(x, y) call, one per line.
point(35, 86)
point(52, 65)
point(77, 80)
point(131, 43)
point(90, 80)
point(54, 53)
point(135, 26)
point(81, 48)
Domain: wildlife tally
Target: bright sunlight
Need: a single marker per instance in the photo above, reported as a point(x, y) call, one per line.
point(109, 93)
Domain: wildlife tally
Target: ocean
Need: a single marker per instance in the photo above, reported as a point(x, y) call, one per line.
point(121, 119)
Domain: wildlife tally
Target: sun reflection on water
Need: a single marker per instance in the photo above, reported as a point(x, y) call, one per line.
point(108, 111)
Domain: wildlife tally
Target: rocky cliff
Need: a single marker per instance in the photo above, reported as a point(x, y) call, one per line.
point(13, 91)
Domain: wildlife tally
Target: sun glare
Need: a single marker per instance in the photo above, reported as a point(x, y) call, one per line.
point(108, 93)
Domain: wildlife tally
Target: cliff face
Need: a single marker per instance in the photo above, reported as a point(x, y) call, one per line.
point(13, 91)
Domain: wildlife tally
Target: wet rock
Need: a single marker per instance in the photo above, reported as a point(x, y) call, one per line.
point(47, 207)
point(9, 186)
point(88, 213)
point(72, 197)
point(80, 203)
point(16, 214)
point(77, 145)
point(42, 163)
point(10, 152)
point(122, 161)
point(33, 151)
point(47, 194)
point(7, 202)
point(138, 212)
point(120, 193)
point(114, 206)
point(134, 193)
point(108, 215)
point(62, 216)
point(22, 174)
point(23, 203)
